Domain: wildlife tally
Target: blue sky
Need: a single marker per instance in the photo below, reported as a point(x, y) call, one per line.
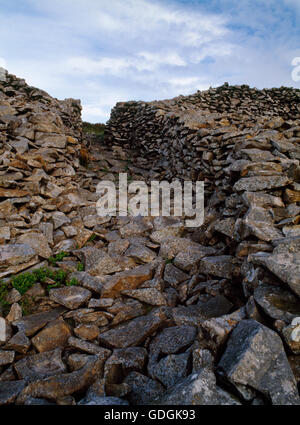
point(104, 51)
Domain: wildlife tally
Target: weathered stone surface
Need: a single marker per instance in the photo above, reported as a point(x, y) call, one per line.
point(98, 262)
point(87, 332)
point(88, 316)
point(169, 341)
point(5, 329)
point(39, 366)
point(134, 332)
point(164, 233)
point(54, 335)
point(101, 303)
point(77, 361)
point(170, 369)
point(129, 279)
point(255, 358)
point(50, 140)
point(87, 281)
point(137, 226)
point(62, 385)
point(31, 324)
point(277, 303)
point(13, 255)
point(123, 361)
point(260, 183)
point(186, 260)
point(9, 391)
point(38, 243)
point(259, 222)
point(88, 347)
point(140, 253)
point(13, 296)
point(19, 342)
point(294, 362)
point(12, 193)
point(197, 389)
point(213, 333)
point(172, 246)
point(103, 401)
point(71, 297)
point(147, 295)
point(284, 265)
point(194, 314)
point(143, 389)
point(220, 266)
point(174, 276)
point(6, 357)
point(291, 335)
point(126, 310)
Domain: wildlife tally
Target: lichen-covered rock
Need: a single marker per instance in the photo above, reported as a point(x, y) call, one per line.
point(127, 280)
point(31, 324)
point(134, 332)
point(54, 335)
point(143, 389)
point(71, 297)
point(42, 365)
point(62, 385)
point(255, 358)
point(277, 303)
point(197, 389)
point(10, 390)
point(123, 361)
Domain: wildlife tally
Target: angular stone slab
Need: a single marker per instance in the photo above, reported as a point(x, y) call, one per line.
point(255, 358)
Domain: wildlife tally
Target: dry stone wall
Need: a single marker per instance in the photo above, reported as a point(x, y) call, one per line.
point(196, 136)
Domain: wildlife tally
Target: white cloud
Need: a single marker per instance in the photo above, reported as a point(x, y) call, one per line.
point(164, 58)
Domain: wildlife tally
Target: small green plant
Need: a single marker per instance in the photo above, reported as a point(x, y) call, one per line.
point(59, 276)
point(80, 267)
point(3, 292)
point(53, 286)
point(25, 305)
point(72, 282)
point(169, 260)
point(24, 282)
point(41, 274)
point(92, 238)
point(58, 257)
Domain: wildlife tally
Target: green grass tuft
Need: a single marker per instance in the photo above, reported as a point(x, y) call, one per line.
point(58, 257)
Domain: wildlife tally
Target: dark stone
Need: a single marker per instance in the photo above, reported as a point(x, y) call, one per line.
point(143, 389)
point(277, 303)
point(255, 358)
point(10, 390)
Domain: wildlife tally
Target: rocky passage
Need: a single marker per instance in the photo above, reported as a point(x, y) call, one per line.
point(142, 310)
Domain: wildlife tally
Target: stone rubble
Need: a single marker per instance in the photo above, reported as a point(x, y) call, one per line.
point(144, 310)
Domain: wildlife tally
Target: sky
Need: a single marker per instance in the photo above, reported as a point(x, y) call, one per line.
point(104, 52)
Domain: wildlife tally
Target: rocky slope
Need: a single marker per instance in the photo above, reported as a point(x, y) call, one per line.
point(117, 310)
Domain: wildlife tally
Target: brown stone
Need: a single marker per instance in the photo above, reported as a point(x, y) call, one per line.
point(54, 335)
point(129, 279)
